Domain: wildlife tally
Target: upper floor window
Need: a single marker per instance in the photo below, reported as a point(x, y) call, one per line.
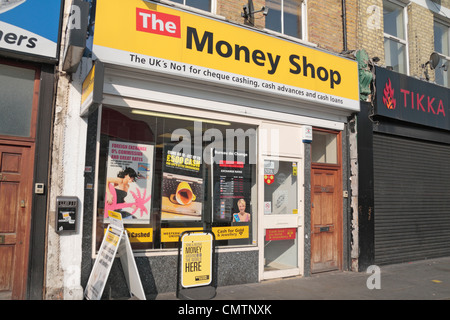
point(442, 47)
point(285, 16)
point(395, 39)
point(198, 4)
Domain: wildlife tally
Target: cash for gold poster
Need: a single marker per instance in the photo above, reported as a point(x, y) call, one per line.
point(182, 186)
point(232, 185)
point(129, 181)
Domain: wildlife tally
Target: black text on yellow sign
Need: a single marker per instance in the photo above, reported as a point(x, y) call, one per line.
point(196, 259)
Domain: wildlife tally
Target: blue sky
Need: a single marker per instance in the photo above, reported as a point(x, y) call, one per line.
point(38, 16)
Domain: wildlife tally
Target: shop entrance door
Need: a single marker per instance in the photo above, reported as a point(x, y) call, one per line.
point(281, 256)
point(325, 220)
point(16, 173)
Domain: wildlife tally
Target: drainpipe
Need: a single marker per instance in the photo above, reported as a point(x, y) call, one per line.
point(344, 24)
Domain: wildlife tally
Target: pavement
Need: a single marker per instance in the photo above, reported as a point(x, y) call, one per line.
point(418, 280)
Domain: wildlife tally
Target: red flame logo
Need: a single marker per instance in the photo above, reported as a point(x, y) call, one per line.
point(388, 96)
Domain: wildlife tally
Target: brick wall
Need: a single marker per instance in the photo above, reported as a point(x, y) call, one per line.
point(370, 28)
point(325, 24)
point(420, 39)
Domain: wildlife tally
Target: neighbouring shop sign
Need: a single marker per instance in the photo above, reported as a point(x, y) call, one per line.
point(408, 99)
point(150, 36)
point(30, 27)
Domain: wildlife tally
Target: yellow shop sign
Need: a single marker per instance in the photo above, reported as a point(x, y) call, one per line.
point(154, 37)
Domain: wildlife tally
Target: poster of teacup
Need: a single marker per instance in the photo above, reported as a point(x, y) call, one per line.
point(129, 175)
point(181, 197)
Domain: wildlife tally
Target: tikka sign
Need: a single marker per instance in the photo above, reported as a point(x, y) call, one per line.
point(408, 99)
point(158, 38)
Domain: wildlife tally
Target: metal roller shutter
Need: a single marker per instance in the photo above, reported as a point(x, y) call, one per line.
point(412, 199)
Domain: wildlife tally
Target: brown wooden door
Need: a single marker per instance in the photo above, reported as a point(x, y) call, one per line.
point(16, 173)
point(326, 228)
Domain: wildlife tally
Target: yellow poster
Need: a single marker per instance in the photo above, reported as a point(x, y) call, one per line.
point(155, 37)
point(140, 235)
point(221, 233)
point(173, 234)
point(196, 268)
point(231, 232)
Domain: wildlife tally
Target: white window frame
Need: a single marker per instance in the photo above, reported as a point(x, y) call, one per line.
point(442, 55)
point(184, 6)
point(304, 35)
point(405, 28)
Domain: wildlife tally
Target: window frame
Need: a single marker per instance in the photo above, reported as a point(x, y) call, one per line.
point(184, 5)
point(396, 39)
point(441, 54)
point(303, 22)
point(35, 101)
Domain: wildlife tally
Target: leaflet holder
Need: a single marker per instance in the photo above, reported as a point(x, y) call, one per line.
point(66, 215)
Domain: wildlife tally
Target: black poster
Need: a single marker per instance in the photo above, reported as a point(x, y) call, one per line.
point(232, 186)
point(408, 99)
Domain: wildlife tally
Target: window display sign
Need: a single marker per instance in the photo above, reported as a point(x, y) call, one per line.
point(221, 233)
point(182, 185)
point(205, 49)
point(129, 175)
point(232, 185)
point(30, 27)
point(280, 234)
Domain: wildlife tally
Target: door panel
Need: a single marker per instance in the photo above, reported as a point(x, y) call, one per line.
point(325, 215)
point(280, 220)
point(16, 171)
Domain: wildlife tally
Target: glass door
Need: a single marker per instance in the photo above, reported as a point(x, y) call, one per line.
point(281, 217)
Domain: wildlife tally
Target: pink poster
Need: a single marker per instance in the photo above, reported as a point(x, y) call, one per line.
point(129, 180)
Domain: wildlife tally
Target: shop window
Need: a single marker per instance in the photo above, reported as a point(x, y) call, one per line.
point(324, 148)
point(395, 43)
point(442, 47)
point(205, 5)
point(17, 94)
point(168, 173)
point(285, 16)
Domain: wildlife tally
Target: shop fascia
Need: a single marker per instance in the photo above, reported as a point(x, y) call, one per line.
point(165, 40)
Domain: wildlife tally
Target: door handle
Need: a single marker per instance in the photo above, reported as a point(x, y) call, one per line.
point(22, 203)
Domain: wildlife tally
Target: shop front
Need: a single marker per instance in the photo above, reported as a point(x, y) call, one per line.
point(407, 145)
point(199, 124)
point(28, 54)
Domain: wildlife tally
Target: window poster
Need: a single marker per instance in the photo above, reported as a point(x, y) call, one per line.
point(129, 175)
point(182, 185)
point(232, 185)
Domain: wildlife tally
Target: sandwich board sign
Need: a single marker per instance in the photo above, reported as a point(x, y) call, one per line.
point(196, 252)
point(115, 242)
